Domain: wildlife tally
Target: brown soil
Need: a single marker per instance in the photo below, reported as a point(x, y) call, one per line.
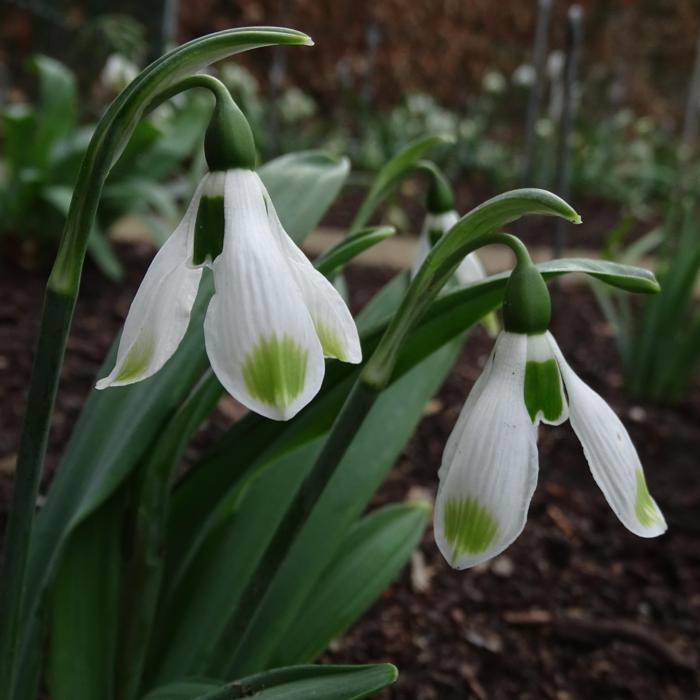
point(576, 608)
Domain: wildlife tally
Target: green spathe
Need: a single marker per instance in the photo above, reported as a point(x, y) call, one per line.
point(469, 526)
point(208, 230)
point(274, 371)
point(542, 390)
point(644, 507)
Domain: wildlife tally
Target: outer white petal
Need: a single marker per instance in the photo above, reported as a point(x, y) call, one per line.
point(488, 483)
point(434, 225)
point(610, 454)
point(332, 319)
point(260, 339)
point(160, 312)
point(470, 270)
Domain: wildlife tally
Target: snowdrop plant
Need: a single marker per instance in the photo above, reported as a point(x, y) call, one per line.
point(138, 578)
point(490, 463)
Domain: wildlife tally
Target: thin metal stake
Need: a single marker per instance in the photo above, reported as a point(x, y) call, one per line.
point(574, 36)
point(533, 109)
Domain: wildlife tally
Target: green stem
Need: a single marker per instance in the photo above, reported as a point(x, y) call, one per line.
point(55, 323)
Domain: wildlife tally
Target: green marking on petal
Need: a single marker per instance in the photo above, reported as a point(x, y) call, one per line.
point(137, 360)
point(274, 371)
point(434, 235)
point(543, 390)
point(644, 507)
point(469, 527)
point(208, 230)
point(330, 341)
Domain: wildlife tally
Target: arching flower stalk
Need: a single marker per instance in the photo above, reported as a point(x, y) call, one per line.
point(490, 463)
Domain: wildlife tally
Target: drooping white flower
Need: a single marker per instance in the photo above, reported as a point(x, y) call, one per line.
point(273, 316)
point(434, 227)
point(118, 72)
point(490, 463)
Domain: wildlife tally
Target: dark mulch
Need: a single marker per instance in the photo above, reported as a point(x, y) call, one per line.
point(576, 608)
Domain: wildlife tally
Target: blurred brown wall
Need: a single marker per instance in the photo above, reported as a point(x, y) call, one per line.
point(438, 46)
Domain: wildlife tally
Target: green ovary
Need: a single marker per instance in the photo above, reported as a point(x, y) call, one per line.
point(330, 342)
point(469, 527)
point(543, 390)
point(137, 360)
point(274, 371)
point(644, 507)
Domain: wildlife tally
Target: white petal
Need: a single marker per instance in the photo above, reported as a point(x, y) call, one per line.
point(332, 319)
point(486, 488)
point(610, 454)
point(260, 339)
point(160, 312)
point(544, 391)
point(470, 270)
point(434, 226)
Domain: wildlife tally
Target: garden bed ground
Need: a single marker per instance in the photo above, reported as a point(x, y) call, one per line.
point(576, 608)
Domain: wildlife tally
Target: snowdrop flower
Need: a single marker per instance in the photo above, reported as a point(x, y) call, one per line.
point(435, 226)
point(118, 72)
point(490, 463)
point(440, 218)
point(272, 318)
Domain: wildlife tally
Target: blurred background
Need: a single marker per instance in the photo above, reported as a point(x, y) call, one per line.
point(598, 101)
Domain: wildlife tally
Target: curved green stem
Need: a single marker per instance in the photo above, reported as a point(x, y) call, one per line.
point(110, 137)
point(473, 230)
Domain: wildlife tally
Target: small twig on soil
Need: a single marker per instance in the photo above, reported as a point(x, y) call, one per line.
point(588, 630)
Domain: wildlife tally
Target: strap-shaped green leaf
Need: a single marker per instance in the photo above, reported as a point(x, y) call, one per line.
point(374, 551)
point(84, 609)
point(302, 186)
point(292, 683)
point(56, 109)
point(351, 247)
point(392, 173)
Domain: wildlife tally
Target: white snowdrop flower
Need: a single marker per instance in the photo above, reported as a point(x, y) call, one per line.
point(524, 75)
point(118, 72)
point(434, 227)
point(273, 316)
point(490, 463)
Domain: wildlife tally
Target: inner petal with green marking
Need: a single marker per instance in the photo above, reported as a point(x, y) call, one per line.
point(209, 230)
point(274, 371)
point(644, 507)
point(543, 390)
point(137, 359)
point(469, 526)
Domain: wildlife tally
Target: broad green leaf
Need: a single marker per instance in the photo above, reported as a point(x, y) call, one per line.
point(145, 562)
point(184, 690)
point(392, 173)
point(351, 247)
point(196, 616)
point(57, 106)
point(292, 683)
point(302, 186)
point(18, 129)
point(113, 433)
point(372, 554)
point(387, 428)
point(84, 609)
